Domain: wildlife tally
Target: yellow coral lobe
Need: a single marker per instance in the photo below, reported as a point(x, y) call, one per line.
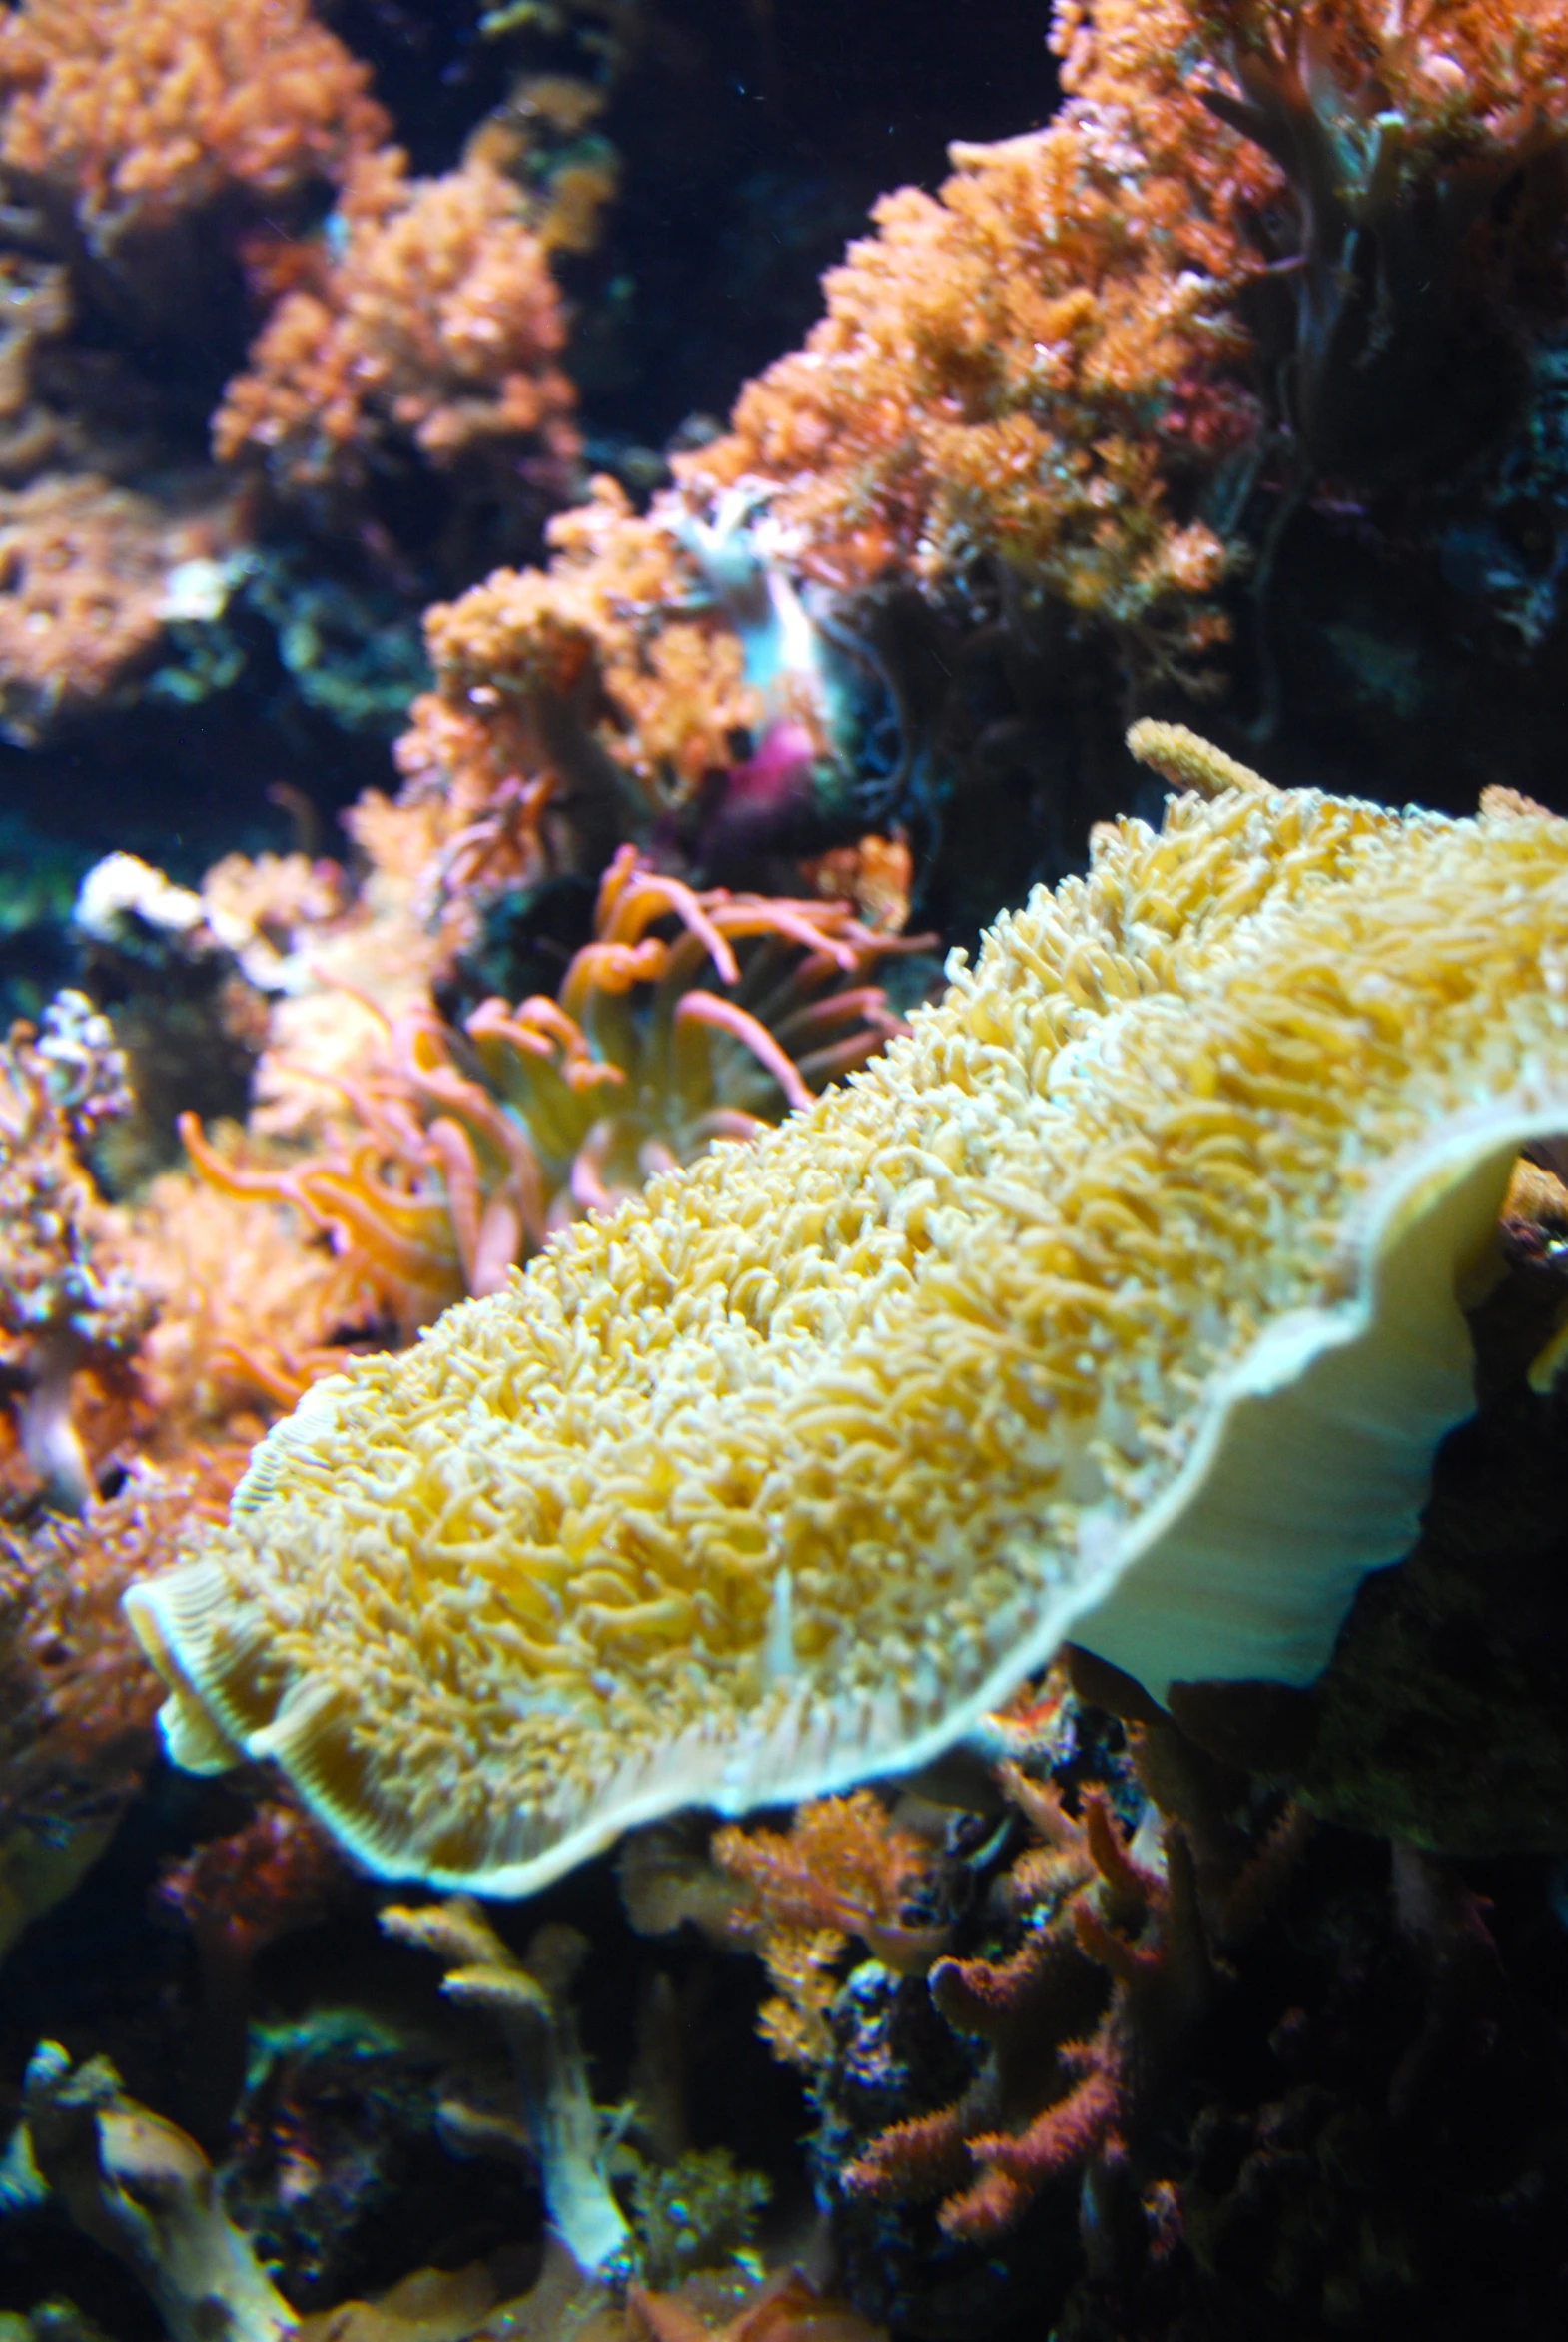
point(1115, 1301)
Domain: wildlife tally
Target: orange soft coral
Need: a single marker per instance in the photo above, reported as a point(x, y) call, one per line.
point(252, 1308)
point(844, 1871)
point(1017, 370)
point(438, 322)
point(460, 1158)
point(140, 109)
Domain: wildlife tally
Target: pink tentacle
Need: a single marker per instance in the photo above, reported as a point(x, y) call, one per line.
point(706, 1008)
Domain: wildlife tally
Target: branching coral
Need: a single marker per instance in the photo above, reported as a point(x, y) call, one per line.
point(433, 318)
point(134, 110)
point(1112, 1958)
point(462, 1157)
point(66, 1308)
point(1116, 1301)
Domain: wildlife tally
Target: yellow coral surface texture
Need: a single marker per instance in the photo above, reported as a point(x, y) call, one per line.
point(1116, 1301)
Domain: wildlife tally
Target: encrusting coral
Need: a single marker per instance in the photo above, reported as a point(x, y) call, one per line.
point(456, 1159)
point(1116, 1301)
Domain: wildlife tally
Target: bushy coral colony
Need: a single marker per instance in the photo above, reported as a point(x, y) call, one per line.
point(837, 1312)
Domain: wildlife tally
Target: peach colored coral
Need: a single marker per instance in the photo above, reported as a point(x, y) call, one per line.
point(250, 1305)
point(143, 108)
point(438, 322)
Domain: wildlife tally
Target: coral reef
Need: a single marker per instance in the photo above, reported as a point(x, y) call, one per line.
point(1084, 393)
point(604, 1369)
point(788, 1470)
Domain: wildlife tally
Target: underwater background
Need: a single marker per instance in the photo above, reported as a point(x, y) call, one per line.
point(556, 561)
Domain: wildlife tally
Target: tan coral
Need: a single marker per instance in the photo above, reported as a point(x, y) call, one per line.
point(1116, 1301)
point(251, 1305)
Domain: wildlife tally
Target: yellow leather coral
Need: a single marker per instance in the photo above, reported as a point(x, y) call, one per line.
point(1117, 1300)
